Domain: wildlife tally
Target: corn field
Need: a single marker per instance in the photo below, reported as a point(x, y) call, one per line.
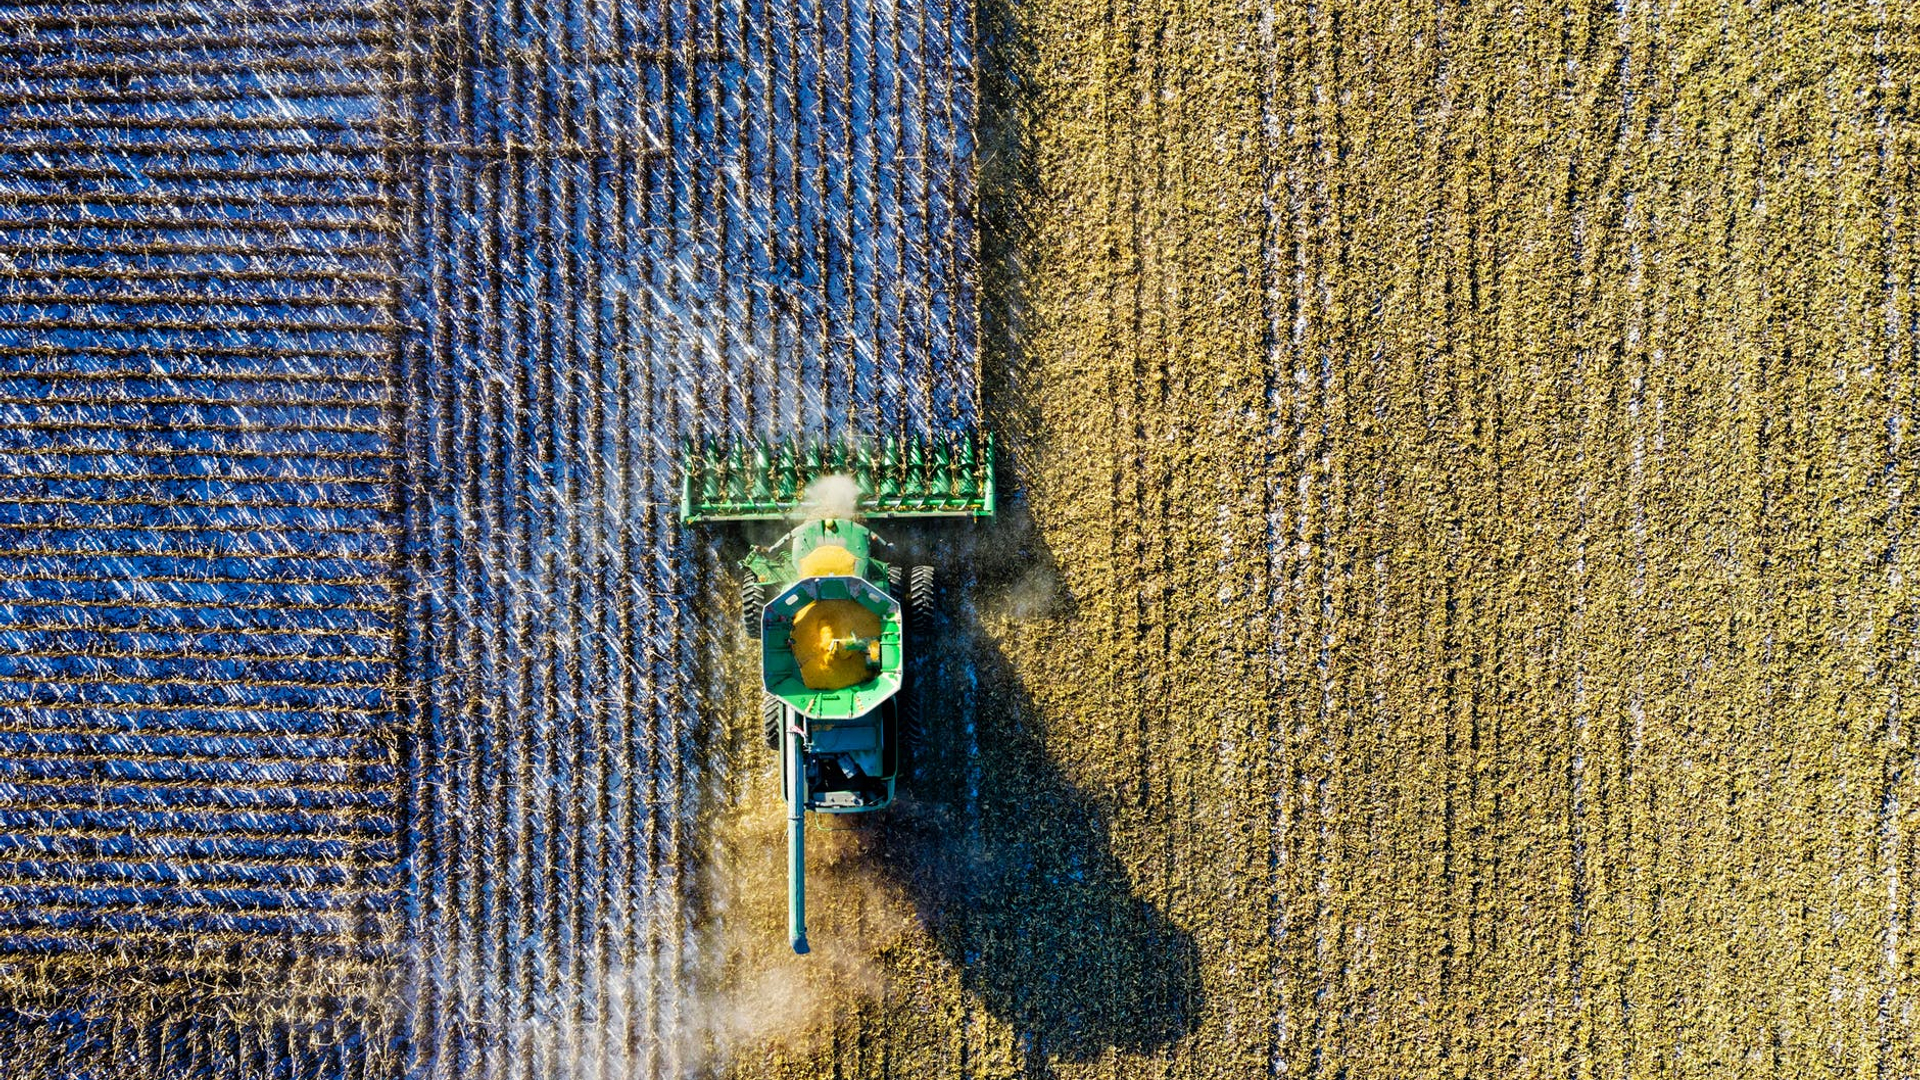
point(1452, 609)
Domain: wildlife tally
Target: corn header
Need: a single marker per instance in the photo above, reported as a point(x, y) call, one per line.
point(950, 477)
point(835, 615)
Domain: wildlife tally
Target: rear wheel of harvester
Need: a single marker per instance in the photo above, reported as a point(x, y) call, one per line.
point(773, 717)
point(752, 599)
point(912, 737)
point(920, 602)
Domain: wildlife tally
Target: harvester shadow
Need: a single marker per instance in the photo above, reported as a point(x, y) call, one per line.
point(1010, 866)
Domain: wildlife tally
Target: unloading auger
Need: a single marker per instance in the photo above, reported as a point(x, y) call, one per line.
point(835, 618)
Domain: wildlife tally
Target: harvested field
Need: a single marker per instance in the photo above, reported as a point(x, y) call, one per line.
point(1467, 623)
point(1452, 614)
point(1504, 413)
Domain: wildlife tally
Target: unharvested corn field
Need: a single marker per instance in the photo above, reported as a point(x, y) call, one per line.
point(1454, 609)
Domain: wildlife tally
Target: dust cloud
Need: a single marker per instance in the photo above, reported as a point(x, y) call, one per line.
point(747, 997)
point(778, 1005)
point(836, 496)
point(738, 995)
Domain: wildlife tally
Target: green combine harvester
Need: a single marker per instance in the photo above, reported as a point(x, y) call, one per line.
point(836, 617)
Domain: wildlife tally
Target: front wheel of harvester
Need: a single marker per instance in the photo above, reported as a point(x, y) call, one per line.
point(752, 599)
point(894, 573)
point(920, 602)
point(773, 719)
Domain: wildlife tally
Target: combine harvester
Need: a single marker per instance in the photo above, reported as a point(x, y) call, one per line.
point(835, 617)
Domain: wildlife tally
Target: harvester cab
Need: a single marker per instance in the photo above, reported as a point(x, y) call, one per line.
point(834, 614)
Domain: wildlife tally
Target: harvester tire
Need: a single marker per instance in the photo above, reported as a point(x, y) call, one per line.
point(893, 582)
point(912, 735)
point(752, 599)
point(772, 719)
point(920, 602)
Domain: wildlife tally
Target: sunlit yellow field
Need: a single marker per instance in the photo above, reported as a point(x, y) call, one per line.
point(1460, 618)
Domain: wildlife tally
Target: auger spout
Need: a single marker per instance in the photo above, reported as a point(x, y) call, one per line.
point(795, 764)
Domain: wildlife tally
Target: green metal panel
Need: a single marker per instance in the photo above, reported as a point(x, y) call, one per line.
point(778, 563)
point(943, 476)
